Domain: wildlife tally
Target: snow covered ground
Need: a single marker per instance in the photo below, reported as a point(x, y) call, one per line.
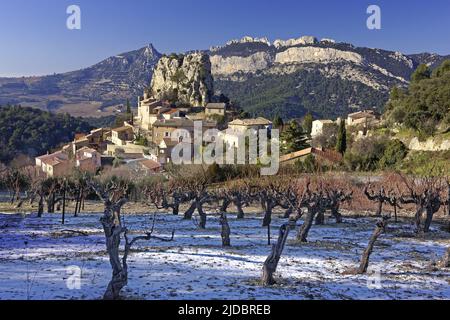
point(40, 261)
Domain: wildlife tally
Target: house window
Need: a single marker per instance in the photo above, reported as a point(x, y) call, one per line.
point(166, 134)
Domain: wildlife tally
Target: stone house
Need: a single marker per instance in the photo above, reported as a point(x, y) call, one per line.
point(241, 125)
point(144, 167)
point(88, 160)
point(216, 109)
point(55, 164)
point(162, 129)
point(318, 127)
point(364, 118)
point(120, 136)
point(165, 148)
point(96, 139)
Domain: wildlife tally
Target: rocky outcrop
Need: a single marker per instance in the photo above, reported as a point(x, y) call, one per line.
point(429, 145)
point(327, 40)
point(317, 55)
point(183, 78)
point(246, 39)
point(293, 42)
point(229, 65)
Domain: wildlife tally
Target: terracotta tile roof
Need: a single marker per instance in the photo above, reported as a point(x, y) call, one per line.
point(150, 164)
point(295, 155)
point(54, 158)
point(87, 149)
point(169, 142)
point(216, 105)
point(329, 155)
point(361, 114)
point(260, 121)
point(181, 123)
point(325, 121)
point(121, 129)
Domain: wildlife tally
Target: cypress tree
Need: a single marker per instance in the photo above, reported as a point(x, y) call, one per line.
point(341, 144)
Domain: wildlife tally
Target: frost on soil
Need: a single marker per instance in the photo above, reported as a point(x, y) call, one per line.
point(35, 255)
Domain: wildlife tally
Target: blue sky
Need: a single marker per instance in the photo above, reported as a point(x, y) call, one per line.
point(35, 41)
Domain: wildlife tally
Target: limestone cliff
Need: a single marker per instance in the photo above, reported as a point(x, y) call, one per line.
point(229, 65)
point(316, 55)
point(183, 78)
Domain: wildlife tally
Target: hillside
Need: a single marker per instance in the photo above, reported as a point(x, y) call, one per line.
point(33, 132)
point(425, 105)
point(84, 92)
point(292, 77)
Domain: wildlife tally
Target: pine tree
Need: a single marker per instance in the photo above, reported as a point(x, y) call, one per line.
point(128, 106)
point(293, 138)
point(341, 144)
point(307, 123)
point(422, 72)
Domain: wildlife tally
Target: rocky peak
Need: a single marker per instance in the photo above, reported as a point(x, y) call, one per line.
point(243, 40)
point(183, 78)
point(293, 42)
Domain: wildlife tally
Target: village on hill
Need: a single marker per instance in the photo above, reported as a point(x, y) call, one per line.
point(144, 143)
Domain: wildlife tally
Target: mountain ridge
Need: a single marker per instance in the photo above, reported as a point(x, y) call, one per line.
point(325, 64)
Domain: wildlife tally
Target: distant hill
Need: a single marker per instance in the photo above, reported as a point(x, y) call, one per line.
point(33, 132)
point(286, 77)
point(84, 92)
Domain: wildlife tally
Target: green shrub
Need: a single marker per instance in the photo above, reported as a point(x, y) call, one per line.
point(394, 153)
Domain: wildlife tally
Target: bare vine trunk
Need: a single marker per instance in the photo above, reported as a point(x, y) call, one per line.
point(202, 215)
point(302, 234)
point(287, 213)
point(445, 262)
point(176, 208)
point(271, 263)
point(336, 214)
point(224, 206)
point(190, 211)
point(379, 208)
point(267, 206)
point(77, 203)
point(113, 230)
point(40, 206)
point(428, 219)
point(240, 211)
point(320, 218)
point(431, 209)
point(225, 234)
point(395, 213)
point(418, 218)
point(379, 229)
